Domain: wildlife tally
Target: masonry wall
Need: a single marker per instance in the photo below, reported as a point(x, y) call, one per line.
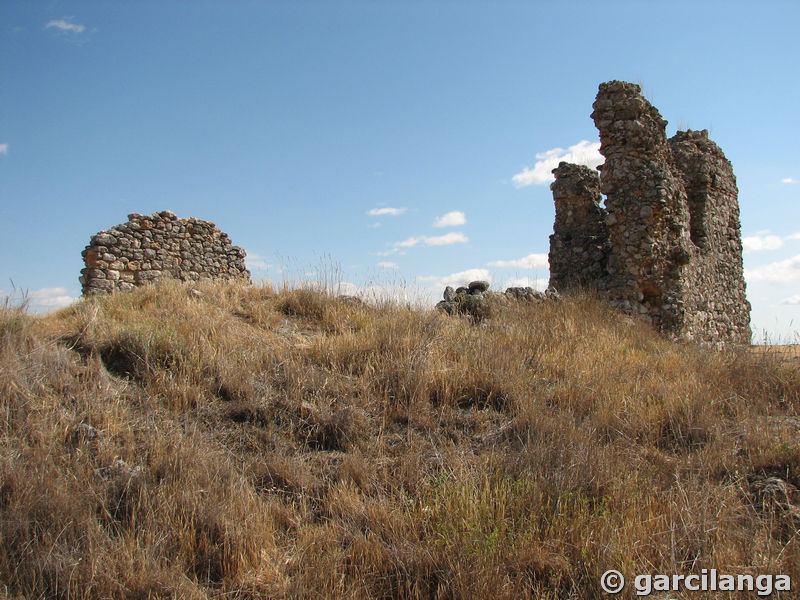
point(716, 302)
point(148, 248)
point(579, 246)
point(674, 253)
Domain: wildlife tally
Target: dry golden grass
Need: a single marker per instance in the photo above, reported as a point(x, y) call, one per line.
point(249, 444)
point(788, 353)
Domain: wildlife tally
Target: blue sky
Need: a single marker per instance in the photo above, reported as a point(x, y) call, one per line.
point(296, 126)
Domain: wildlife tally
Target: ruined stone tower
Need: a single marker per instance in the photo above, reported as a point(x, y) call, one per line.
point(667, 245)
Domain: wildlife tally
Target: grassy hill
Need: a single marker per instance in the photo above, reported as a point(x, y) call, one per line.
point(247, 443)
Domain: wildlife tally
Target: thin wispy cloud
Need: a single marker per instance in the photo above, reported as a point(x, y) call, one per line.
point(789, 180)
point(256, 263)
point(393, 212)
point(64, 24)
point(4, 149)
point(387, 264)
point(451, 219)
point(781, 271)
point(583, 153)
point(447, 239)
point(792, 300)
point(532, 261)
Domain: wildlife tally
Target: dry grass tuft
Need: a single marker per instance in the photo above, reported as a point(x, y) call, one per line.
point(248, 443)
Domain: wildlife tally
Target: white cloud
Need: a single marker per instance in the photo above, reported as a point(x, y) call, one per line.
point(789, 180)
point(51, 297)
point(345, 288)
point(41, 299)
point(390, 251)
point(532, 261)
point(456, 237)
point(64, 24)
point(766, 240)
point(582, 153)
point(779, 272)
point(456, 279)
point(445, 240)
point(4, 149)
point(256, 263)
point(755, 243)
point(451, 219)
point(791, 300)
point(386, 264)
point(376, 212)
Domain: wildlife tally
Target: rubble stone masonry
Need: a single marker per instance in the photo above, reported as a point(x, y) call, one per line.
point(151, 247)
point(579, 246)
point(667, 245)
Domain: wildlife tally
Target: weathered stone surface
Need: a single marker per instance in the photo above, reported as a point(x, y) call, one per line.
point(579, 246)
point(150, 247)
point(470, 300)
point(84, 432)
point(667, 246)
point(525, 293)
point(478, 286)
point(476, 300)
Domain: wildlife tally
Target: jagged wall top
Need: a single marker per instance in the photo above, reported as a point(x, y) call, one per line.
point(627, 122)
point(579, 244)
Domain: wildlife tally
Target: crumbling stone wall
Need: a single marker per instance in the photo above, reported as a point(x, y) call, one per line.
point(579, 246)
point(674, 251)
point(716, 302)
point(150, 247)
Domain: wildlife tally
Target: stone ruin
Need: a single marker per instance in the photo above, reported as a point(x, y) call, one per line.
point(667, 243)
point(474, 299)
point(152, 247)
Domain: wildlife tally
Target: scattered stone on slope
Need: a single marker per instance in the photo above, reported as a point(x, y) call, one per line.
point(475, 299)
